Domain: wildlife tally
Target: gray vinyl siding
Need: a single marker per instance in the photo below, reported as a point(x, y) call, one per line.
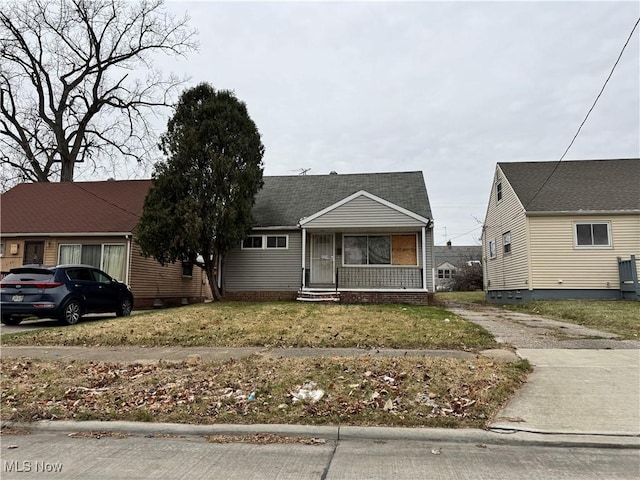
point(266, 269)
point(338, 250)
point(363, 212)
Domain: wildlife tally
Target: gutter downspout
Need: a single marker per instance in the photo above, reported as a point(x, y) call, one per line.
point(129, 261)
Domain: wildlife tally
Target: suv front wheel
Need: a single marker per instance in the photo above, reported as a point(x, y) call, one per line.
point(71, 313)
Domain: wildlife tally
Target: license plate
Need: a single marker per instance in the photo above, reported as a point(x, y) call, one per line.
point(17, 298)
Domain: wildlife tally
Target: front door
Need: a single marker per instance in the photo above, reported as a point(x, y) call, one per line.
point(322, 259)
point(33, 253)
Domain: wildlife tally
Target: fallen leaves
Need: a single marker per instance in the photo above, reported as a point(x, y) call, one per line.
point(403, 391)
point(264, 439)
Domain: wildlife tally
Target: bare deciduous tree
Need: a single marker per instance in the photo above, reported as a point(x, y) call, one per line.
point(77, 83)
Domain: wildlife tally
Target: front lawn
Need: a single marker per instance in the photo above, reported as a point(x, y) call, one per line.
point(365, 391)
point(278, 324)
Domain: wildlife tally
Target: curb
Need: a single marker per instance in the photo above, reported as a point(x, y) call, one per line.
point(344, 433)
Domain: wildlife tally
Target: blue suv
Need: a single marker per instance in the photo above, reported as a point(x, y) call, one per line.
point(65, 292)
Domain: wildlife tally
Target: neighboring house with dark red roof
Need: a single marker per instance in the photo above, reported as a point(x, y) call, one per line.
point(354, 237)
point(91, 223)
point(566, 229)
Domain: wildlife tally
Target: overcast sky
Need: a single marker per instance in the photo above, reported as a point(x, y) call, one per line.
point(448, 88)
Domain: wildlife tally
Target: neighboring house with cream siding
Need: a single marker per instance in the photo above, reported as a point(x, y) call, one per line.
point(92, 223)
point(557, 230)
point(354, 237)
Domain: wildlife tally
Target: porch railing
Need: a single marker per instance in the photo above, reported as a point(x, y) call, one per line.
point(628, 272)
point(382, 277)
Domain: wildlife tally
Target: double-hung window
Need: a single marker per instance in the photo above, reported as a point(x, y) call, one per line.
point(506, 242)
point(593, 234)
point(446, 273)
point(492, 249)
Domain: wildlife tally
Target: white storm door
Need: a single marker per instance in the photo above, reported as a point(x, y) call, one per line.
point(322, 259)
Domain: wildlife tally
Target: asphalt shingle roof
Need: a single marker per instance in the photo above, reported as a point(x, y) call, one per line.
point(284, 200)
point(116, 206)
point(457, 255)
point(81, 207)
point(576, 185)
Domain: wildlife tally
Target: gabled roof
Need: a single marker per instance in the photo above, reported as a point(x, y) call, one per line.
point(368, 195)
point(116, 206)
point(576, 186)
point(457, 255)
point(285, 200)
point(80, 207)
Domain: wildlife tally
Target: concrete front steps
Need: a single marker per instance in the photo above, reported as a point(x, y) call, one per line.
point(318, 296)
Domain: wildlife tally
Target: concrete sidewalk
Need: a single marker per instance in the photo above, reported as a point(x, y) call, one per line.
point(585, 386)
point(207, 354)
point(586, 392)
point(585, 382)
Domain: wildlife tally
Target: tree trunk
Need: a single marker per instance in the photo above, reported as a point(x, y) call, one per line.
point(66, 170)
point(212, 276)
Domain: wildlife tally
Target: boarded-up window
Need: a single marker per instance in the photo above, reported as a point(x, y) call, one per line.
point(404, 250)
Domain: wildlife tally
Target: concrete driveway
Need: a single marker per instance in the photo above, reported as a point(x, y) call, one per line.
point(584, 381)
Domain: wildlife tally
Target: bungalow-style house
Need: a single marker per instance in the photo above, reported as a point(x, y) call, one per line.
point(448, 259)
point(356, 237)
point(559, 230)
point(92, 223)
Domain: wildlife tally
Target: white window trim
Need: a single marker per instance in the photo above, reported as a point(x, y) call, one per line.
point(500, 195)
point(264, 242)
point(506, 240)
point(102, 245)
point(593, 222)
point(381, 265)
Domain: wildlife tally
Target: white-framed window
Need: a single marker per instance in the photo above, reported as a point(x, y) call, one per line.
point(269, 242)
point(277, 241)
point(499, 191)
point(110, 257)
point(446, 273)
point(2, 249)
point(492, 249)
point(252, 241)
point(506, 242)
point(592, 234)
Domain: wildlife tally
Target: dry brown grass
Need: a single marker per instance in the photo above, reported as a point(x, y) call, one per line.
point(282, 324)
point(356, 391)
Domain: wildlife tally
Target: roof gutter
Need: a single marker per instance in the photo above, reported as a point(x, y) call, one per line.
point(582, 212)
point(70, 234)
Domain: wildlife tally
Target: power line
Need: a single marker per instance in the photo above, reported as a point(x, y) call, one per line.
point(109, 202)
point(557, 163)
point(586, 116)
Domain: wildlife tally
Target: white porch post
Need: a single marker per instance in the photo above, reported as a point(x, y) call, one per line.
point(424, 258)
point(304, 256)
